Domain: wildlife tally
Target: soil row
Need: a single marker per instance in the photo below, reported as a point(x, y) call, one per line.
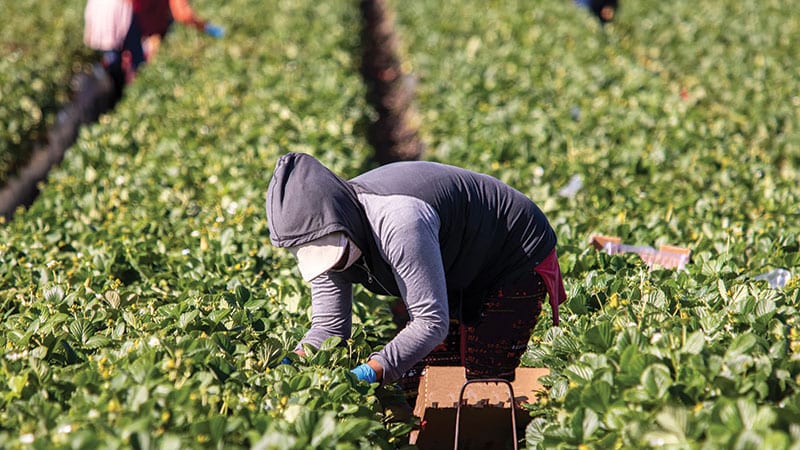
point(394, 135)
point(93, 95)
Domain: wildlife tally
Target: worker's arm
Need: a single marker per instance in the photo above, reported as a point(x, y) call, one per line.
point(407, 232)
point(331, 310)
point(183, 13)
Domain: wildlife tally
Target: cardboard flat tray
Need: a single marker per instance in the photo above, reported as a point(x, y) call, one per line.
point(485, 414)
point(666, 256)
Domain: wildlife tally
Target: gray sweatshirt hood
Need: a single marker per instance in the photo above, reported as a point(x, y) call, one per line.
point(306, 201)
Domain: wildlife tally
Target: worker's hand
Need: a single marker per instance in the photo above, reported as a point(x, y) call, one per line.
point(365, 373)
point(213, 30)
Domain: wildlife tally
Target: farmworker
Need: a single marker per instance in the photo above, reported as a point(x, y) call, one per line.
point(470, 257)
point(604, 10)
point(156, 16)
point(110, 28)
point(129, 32)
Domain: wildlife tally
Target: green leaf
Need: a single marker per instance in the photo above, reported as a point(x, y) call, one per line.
point(112, 298)
point(741, 345)
point(324, 431)
point(330, 343)
point(534, 432)
point(591, 423)
point(97, 341)
point(17, 383)
point(579, 373)
point(216, 427)
point(216, 316)
point(300, 382)
point(170, 442)
point(187, 318)
point(597, 396)
point(674, 420)
point(694, 343)
point(656, 380)
point(599, 337)
point(81, 330)
point(53, 295)
point(632, 363)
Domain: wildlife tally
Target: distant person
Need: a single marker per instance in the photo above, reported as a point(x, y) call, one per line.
point(129, 32)
point(471, 258)
point(604, 10)
point(110, 28)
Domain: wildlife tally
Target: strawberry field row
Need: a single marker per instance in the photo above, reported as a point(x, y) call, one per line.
point(142, 305)
point(682, 131)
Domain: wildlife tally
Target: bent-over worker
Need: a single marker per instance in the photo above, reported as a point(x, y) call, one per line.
point(470, 257)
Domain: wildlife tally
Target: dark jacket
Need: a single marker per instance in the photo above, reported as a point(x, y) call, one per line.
point(489, 231)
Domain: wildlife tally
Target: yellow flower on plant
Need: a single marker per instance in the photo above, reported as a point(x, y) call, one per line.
point(114, 406)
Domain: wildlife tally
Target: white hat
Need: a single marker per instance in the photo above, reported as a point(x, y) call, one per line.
point(318, 256)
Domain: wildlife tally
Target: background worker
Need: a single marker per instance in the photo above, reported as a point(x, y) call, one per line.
point(110, 29)
point(127, 33)
point(470, 257)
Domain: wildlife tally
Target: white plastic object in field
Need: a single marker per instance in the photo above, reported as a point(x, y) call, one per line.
point(776, 278)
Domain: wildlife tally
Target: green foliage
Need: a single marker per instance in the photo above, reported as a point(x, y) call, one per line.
point(141, 304)
point(681, 119)
point(41, 48)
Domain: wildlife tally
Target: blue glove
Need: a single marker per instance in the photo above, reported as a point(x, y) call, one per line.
point(365, 373)
point(213, 30)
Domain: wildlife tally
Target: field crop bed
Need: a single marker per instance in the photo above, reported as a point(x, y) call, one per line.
point(682, 122)
point(142, 306)
point(41, 49)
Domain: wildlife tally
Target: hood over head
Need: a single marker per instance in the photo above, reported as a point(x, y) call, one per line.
point(306, 201)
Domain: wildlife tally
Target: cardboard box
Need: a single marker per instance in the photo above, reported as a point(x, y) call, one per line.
point(485, 414)
point(667, 256)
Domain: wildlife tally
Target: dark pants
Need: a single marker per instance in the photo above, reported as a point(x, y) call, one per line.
point(493, 346)
point(122, 64)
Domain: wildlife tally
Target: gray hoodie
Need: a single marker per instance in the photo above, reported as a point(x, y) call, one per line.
point(438, 236)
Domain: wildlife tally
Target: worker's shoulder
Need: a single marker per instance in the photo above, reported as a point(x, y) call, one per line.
point(396, 210)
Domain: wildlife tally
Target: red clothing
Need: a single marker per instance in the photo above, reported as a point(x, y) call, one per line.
point(551, 274)
point(152, 16)
point(155, 16)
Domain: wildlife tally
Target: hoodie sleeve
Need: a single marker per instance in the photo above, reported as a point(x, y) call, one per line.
point(407, 231)
point(331, 309)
